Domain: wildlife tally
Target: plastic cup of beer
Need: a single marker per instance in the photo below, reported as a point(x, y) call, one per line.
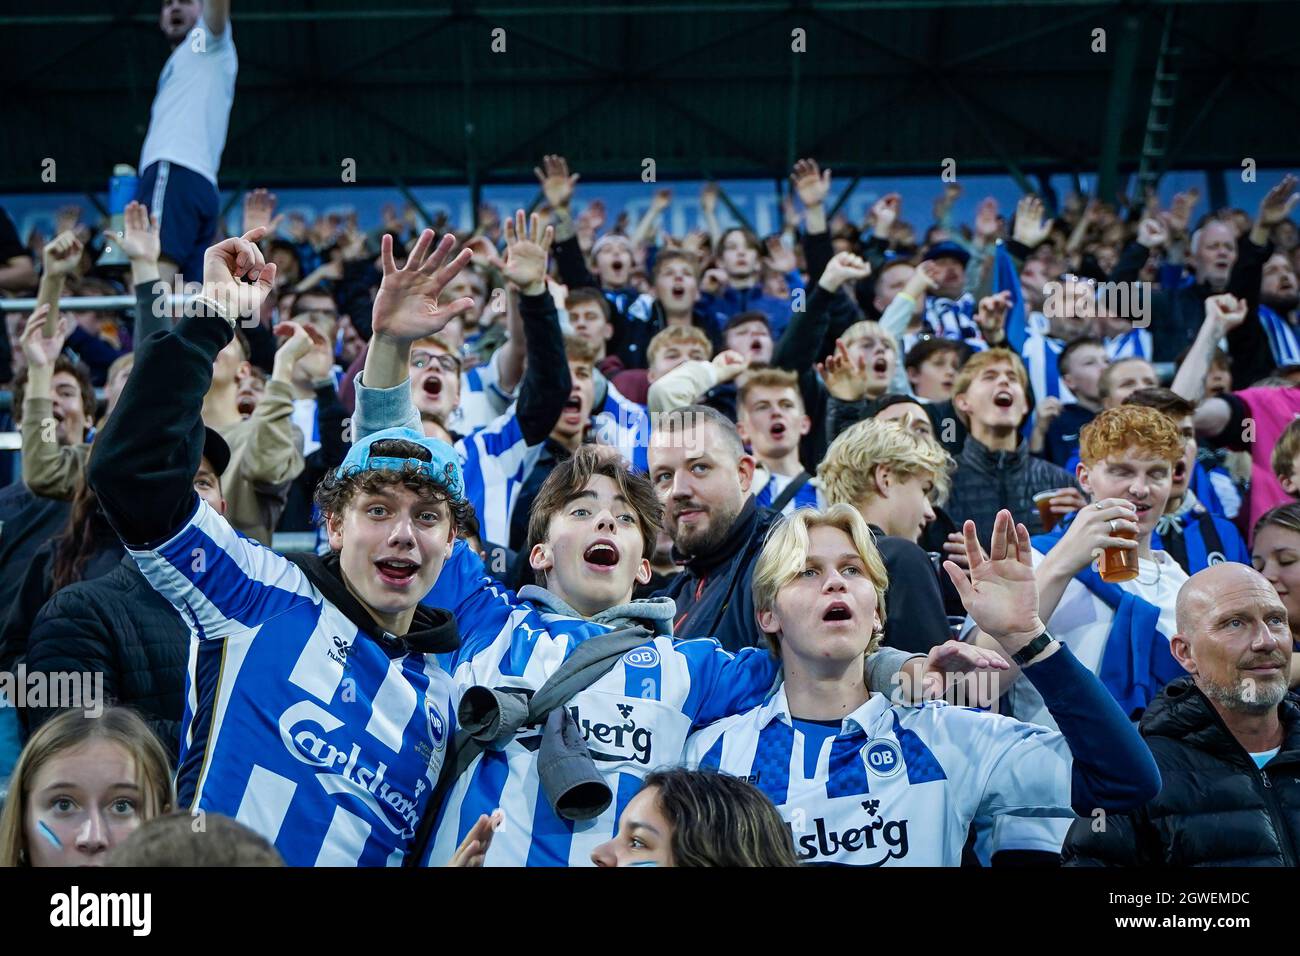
point(1043, 501)
point(1119, 564)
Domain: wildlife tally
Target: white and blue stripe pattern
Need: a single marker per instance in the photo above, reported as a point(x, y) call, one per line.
point(481, 397)
point(635, 719)
point(625, 425)
point(495, 462)
point(296, 724)
point(1041, 354)
point(806, 497)
point(1135, 343)
point(896, 785)
point(953, 318)
point(1283, 337)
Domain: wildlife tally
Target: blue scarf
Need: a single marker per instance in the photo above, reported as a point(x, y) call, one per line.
point(1137, 662)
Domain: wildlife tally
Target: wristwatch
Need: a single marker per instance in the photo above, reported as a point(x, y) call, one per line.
point(1031, 650)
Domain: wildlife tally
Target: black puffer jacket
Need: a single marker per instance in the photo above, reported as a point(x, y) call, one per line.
point(1215, 808)
point(119, 626)
point(987, 481)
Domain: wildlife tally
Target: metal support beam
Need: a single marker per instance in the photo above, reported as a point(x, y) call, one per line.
point(1117, 107)
point(844, 196)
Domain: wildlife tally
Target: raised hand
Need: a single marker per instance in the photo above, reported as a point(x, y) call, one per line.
point(708, 199)
point(556, 182)
point(1153, 234)
point(986, 219)
point(810, 182)
point(1031, 228)
point(526, 249)
point(1000, 593)
point(714, 281)
point(1278, 202)
point(661, 200)
point(1226, 310)
point(406, 307)
point(39, 349)
point(62, 254)
point(259, 210)
point(779, 258)
point(844, 378)
point(1180, 212)
point(843, 267)
point(140, 234)
point(924, 280)
point(884, 213)
point(991, 316)
point(305, 347)
point(228, 264)
point(729, 364)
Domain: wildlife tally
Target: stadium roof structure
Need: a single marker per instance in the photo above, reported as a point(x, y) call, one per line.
point(414, 91)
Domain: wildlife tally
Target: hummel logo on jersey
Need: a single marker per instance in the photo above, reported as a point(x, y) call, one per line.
point(629, 741)
point(303, 730)
point(824, 843)
point(340, 651)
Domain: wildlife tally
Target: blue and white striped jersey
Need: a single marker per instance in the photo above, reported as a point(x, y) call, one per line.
point(1040, 354)
point(495, 461)
point(1135, 343)
point(625, 425)
point(295, 723)
point(481, 397)
point(635, 719)
point(809, 496)
point(896, 785)
point(1283, 337)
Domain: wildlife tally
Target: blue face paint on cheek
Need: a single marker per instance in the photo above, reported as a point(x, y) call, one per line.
point(49, 834)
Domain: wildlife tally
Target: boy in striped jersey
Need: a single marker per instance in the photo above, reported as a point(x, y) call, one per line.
point(590, 534)
point(316, 713)
point(772, 421)
point(864, 782)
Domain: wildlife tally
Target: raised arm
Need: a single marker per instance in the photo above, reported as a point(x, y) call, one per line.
point(1223, 313)
point(558, 185)
point(216, 14)
point(804, 336)
point(49, 469)
point(142, 245)
point(146, 457)
point(1111, 767)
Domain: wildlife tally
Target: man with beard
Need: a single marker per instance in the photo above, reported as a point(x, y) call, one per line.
point(703, 477)
point(1226, 739)
point(1220, 262)
point(1278, 298)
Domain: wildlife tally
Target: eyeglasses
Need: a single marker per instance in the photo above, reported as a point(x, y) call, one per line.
point(448, 363)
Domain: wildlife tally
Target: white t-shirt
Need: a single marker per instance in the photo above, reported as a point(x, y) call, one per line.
point(1081, 622)
point(191, 109)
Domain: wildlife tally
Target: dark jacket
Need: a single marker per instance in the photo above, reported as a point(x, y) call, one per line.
point(987, 481)
point(914, 608)
point(118, 626)
point(1177, 314)
point(715, 591)
point(1216, 807)
point(26, 523)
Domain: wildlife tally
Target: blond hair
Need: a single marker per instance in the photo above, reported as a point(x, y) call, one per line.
point(864, 328)
point(67, 731)
point(848, 470)
point(1284, 452)
point(785, 552)
point(678, 335)
point(980, 361)
point(768, 378)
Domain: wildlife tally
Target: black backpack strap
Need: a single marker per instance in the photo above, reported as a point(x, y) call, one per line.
point(792, 489)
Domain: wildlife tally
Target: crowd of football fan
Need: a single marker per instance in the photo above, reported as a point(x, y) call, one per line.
point(923, 376)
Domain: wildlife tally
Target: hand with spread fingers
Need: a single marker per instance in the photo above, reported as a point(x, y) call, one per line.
point(1000, 592)
point(527, 246)
point(406, 307)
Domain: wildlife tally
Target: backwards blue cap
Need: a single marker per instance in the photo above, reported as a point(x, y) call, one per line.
point(444, 467)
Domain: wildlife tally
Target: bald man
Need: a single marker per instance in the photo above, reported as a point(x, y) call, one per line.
point(1226, 738)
